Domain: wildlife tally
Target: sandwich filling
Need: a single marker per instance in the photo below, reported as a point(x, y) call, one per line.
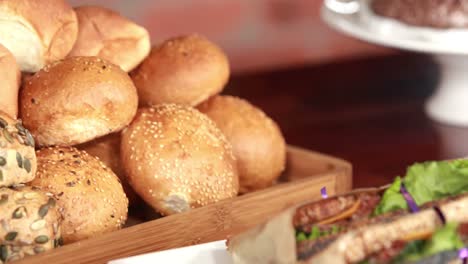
point(449, 238)
point(319, 224)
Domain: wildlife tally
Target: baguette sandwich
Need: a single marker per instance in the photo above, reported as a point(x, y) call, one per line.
point(420, 218)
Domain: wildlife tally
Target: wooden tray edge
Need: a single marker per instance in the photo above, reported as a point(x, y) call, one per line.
point(109, 246)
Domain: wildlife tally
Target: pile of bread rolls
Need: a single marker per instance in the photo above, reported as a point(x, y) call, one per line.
point(92, 116)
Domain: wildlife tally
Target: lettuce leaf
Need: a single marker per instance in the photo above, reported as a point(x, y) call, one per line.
point(428, 181)
point(432, 181)
point(391, 199)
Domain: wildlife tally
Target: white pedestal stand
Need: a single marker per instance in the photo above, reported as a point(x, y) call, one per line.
point(449, 104)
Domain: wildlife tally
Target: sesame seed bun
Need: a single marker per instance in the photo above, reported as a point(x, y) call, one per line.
point(10, 78)
point(177, 159)
point(90, 194)
point(29, 223)
point(76, 100)
point(37, 32)
point(107, 34)
point(256, 139)
point(107, 149)
point(183, 70)
point(17, 156)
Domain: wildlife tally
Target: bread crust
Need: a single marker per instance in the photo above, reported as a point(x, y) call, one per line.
point(177, 159)
point(17, 156)
point(10, 78)
point(107, 34)
point(107, 149)
point(53, 22)
point(182, 70)
point(258, 144)
point(29, 223)
point(89, 194)
point(76, 100)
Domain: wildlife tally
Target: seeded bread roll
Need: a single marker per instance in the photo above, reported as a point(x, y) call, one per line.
point(10, 78)
point(29, 223)
point(90, 195)
point(177, 159)
point(107, 34)
point(37, 32)
point(76, 100)
point(256, 139)
point(184, 70)
point(17, 156)
point(107, 149)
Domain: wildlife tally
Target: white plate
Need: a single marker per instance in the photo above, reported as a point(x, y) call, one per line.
point(363, 24)
point(209, 253)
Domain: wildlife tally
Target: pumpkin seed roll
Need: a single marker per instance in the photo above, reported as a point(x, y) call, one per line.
point(29, 223)
point(17, 156)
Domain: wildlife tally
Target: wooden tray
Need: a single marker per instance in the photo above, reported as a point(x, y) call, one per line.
point(307, 172)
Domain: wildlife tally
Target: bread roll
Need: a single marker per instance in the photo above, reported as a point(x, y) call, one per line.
point(10, 78)
point(37, 32)
point(184, 70)
point(177, 159)
point(17, 156)
point(106, 34)
point(107, 149)
point(256, 139)
point(76, 100)
point(90, 195)
point(29, 223)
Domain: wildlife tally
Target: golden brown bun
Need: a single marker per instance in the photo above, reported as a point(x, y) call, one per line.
point(90, 195)
point(10, 78)
point(107, 149)
point(29, 223)
point(37, 32)
point(184, 70)
point(107, 34)
point(17, 157)
point(76, 100)
point(257, 141)
point(176, 159)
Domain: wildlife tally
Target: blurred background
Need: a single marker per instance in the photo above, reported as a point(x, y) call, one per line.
point(256, 34)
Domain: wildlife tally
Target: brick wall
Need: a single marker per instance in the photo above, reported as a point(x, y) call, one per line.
point(256, 34)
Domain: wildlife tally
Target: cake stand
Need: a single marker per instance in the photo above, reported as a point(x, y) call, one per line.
point(449, 103)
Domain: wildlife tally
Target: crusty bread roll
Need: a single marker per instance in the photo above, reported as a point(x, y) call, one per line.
point(177, 159)
point(107, 149)
point(256, 139)
point(106, 34)
point(184, 70)
point(17, 156)
point(29, 223)
point(37, 32)
point(89, 193)
point(10, 78)
point(76, 100)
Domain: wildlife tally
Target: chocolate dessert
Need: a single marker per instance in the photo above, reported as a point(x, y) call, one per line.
point(440, 14)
